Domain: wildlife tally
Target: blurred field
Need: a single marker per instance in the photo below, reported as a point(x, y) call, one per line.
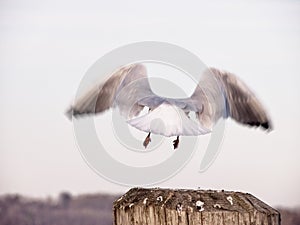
point(91, 209)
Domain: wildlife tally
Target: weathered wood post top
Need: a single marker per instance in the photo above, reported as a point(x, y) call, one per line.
point(141, 206)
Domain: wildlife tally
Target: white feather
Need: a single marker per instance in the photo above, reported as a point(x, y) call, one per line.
point(168, 120)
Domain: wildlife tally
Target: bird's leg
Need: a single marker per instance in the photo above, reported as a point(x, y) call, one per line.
point(147, 140)
point(176, 142)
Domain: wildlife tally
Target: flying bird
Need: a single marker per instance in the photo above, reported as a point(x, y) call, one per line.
point(219, 94)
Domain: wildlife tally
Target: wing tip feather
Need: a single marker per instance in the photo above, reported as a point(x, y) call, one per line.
point(267, 125)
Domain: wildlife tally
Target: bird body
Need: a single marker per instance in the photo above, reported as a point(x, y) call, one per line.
point(218, 95)
point(168, 120)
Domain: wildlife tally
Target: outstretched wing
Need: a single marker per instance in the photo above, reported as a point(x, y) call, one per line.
point(209, 100)
point(243, 105)
point(124, 88)
point(239, 102)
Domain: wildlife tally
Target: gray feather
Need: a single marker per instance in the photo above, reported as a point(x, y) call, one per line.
point(240, 102)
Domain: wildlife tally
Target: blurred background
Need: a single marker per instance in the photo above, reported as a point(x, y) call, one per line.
point(47, 46)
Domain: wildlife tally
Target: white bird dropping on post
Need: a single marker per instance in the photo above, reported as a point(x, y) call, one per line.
point(229, 198)
point(145, 201)
point(200, 205)
point(159, 198)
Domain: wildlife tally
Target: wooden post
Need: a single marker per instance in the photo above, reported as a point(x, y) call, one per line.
point(140, 206)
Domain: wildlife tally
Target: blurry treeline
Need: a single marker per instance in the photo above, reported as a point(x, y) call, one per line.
point(91, 209)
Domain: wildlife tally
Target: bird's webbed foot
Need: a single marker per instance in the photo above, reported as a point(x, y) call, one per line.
point(147, 140)
point(176, 142)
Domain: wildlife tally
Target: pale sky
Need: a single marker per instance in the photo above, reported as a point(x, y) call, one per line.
point(47, 46)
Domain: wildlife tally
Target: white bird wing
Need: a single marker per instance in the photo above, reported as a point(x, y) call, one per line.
point(226, 95)
point(124, 88)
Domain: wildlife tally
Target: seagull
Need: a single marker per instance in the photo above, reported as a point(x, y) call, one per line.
point(219, 94)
